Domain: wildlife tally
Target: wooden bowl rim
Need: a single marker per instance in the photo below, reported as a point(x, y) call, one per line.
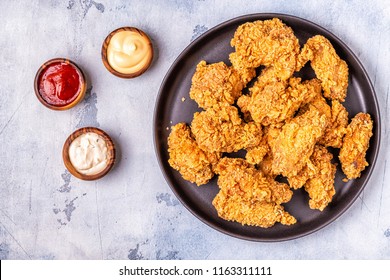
point(111, 151)
point(105, 59)
point(83, 86)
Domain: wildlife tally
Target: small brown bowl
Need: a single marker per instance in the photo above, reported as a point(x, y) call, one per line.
point(105, 58)
point(83, 86)
point(111, 153)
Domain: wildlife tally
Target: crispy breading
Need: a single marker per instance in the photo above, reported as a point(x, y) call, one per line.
point(217, 82)
point(337, 121)
point(259, 213)
point(317, 177)
point(270, 43)
point(266, 165)
point(335, 131)
point(270, 134)
point(327, 65)
point(242, 102)
point(299, 180)
point(248, 197)
point(220, 129)
point(261, 155)
point(319, 102)
point(237, 176)
point(294, 145)
point(277, 102)
point(185, 156)
point(355, 144)
point(320, 185)
point(256, 154)
point(258, 103)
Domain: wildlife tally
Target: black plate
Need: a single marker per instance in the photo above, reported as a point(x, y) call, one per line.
point(214, 46)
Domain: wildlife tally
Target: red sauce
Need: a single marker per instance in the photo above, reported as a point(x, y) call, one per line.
point(59, 84)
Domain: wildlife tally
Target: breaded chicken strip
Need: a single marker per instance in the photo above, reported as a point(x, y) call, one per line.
point(185, 156)
point(248, 197)
point(355, 144)
point(293, 146)
point(270, 135)
point(220, 129)
point(237, 176)
point(217, 82)
point(320, 185)
point(270, 43)
point(333, 135)
point(259, 213)
point(328, 66)
point(337, 121)
point(277, 102)
point(317, 177)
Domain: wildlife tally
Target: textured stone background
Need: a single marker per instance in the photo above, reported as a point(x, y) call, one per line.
point(45, 213)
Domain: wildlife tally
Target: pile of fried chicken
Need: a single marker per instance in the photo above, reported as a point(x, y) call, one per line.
point(285, 125)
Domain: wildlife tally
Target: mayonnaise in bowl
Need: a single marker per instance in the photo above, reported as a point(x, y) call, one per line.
point(88, 153)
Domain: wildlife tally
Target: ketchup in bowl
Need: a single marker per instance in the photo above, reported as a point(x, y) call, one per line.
point(59, 84)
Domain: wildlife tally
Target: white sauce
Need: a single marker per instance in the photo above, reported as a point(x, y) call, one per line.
point(88, 153)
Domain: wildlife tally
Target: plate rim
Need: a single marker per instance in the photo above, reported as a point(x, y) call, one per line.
point(252, 17)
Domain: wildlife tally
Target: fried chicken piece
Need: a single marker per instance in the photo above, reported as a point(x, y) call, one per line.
point(355, 145)
point(275, 102)
point(217, 82)
point(299, 180)
point(259, 105)
point(237, 176)
point(320, 195)
point(265, 166)
point(261, 155)
point(242, 103)
point(319, 102)
point(259, 213)
point(294, 145)
point(270, 43)
point(317, 177)
point(220, 129)
point(186, 157)
point(334, 133)
point(256, 154)
point(248, 197)
point(327, 65)
point(270, 134)
point(337, 121)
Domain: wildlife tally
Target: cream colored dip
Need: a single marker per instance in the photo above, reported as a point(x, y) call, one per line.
point(129, 52)
point(88, 153)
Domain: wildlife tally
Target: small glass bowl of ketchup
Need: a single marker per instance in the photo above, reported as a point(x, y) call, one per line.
point(60, 84)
